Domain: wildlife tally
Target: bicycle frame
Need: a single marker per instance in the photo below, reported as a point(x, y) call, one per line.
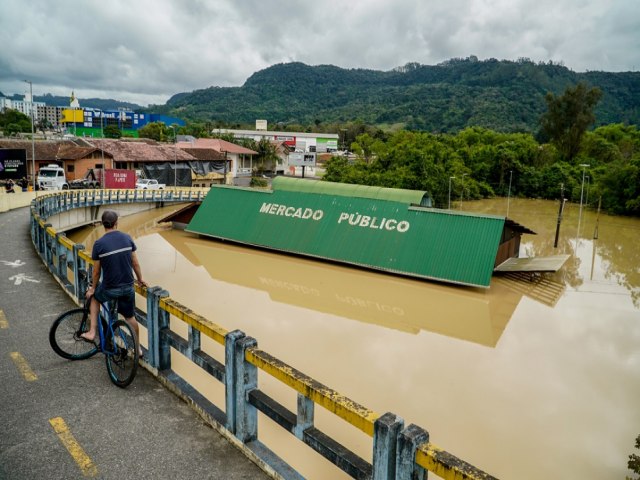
point(107, 315)
point(118, 340)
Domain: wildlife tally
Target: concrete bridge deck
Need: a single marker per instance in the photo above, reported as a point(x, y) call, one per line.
point(66, 420)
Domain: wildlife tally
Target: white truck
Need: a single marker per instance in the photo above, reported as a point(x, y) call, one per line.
point(52, 177)
point(149, 184)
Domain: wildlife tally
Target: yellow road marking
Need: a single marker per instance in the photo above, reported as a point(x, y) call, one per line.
point(23, 367)
point(78, 454)
point(3, 320)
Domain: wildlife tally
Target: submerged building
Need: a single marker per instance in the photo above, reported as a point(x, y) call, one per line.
point(385, 229)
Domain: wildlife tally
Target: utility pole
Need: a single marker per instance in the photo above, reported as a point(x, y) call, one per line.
point(33, 136)
point(595, 230)
point(509, 193)
point(595, 237)
point(562, 201)
point(450, 178)
point(462, 191)
point(584, 169)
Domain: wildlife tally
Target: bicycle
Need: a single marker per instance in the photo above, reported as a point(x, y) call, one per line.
point(117, 340)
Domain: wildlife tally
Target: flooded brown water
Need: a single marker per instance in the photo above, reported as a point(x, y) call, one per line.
point(532, 378)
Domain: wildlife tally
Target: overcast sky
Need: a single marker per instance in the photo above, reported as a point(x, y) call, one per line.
point(144, 51)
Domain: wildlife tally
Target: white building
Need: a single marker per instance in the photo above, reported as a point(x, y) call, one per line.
point(299, 141)
point(23, 106)
point(40, 109)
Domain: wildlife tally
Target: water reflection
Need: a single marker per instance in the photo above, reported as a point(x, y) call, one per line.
point(138, 225)
point(549, 366)
point(600, 243)
point(408, 305)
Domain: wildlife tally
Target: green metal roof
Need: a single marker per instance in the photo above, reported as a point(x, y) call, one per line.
point(375, 233)
point(289, 184)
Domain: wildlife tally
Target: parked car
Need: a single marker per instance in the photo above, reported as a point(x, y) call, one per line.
point(149, 184)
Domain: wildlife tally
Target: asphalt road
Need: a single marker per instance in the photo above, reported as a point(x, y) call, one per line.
point(66, 420)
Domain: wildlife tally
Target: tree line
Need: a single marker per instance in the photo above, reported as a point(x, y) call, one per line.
point(475, 163)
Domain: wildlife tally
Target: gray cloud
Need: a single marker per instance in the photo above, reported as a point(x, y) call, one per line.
point(147, 50)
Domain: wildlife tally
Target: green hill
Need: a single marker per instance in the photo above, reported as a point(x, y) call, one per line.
point(501, 95)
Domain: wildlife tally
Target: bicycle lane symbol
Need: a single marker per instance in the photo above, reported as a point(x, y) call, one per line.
point(17, 263)
point(22, 277)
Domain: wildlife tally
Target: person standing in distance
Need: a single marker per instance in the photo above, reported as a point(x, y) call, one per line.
point(113, 254)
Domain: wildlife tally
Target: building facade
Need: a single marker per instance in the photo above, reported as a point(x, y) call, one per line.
point(297, 141)
point(25, 107)
point(85, 122)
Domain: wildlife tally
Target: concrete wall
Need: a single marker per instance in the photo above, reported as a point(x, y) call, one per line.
point(86, 215)
point(9, 201)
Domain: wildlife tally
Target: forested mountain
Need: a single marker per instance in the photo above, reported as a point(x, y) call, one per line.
point(501, 95)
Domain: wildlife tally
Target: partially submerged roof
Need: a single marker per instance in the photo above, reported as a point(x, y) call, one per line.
point(518, 228)
point(552, 263)
point(371, 228)
point(410, 197)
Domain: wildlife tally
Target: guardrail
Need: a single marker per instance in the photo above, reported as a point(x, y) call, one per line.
point(398, 452)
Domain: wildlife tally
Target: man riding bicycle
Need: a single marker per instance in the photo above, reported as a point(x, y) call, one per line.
point(113, 255)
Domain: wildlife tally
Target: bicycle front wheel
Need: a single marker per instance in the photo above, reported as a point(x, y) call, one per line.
point(64, 335)
point(122, 357)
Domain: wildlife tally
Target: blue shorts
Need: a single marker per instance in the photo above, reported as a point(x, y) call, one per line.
point(126, 297)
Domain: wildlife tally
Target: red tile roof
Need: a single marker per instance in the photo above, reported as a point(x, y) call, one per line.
point(46, 150)
point(205, 154)
point(72, 152)
point(141, 151)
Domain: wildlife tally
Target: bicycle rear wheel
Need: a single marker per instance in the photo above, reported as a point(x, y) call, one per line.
point(64, 335)
point(122, 358)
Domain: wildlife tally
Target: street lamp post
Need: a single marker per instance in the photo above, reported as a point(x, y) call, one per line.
point(462, 191)
point(450, 178)
point(175, 157)
point(102, 138)
point(33, 134)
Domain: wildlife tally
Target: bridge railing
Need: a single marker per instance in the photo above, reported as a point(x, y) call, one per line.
point(398, 452)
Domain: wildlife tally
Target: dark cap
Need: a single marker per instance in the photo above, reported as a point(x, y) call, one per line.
point(109, 218)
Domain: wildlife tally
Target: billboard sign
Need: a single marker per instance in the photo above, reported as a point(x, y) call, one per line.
point(13, 163)
point(300, 159)
point(326, 144)
point(119, 178)
point(286, 139)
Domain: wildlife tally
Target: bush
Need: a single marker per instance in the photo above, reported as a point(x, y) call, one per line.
point(634, 460)
point(258, 182)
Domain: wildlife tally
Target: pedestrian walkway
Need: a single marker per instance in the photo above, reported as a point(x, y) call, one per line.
point(66, 420)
